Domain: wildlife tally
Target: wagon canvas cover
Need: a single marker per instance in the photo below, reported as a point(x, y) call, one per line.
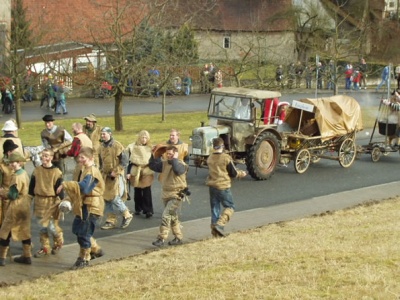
point(336, 115)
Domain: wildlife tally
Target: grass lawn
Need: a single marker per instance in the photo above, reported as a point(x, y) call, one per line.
point(348, 254)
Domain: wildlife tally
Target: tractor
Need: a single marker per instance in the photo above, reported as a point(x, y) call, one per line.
point(247, 120)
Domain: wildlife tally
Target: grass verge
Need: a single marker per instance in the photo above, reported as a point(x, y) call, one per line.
point(348, 254)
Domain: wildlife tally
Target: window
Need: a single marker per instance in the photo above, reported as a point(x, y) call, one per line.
point(391, 4)
point(227, 42)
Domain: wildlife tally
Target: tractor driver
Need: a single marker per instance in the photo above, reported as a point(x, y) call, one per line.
point(243, 111)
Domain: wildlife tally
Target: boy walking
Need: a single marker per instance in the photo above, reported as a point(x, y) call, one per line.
point(44, 183)
point(86, 196)
point(221, 171)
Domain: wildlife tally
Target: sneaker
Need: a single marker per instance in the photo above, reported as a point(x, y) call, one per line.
point(158, 243)
point(107, 226)
point(94, 255)
point(175, 242)
point(80, 264)
point(148, 215)
point(126, 222)
point(220, 230)
point(56, 249)
point(66, 113)
point(42, 252)
point(137, 213)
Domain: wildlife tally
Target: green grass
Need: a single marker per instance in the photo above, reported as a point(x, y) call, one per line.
point(159, 131)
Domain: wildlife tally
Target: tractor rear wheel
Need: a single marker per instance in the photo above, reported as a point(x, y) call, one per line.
point(263, 156)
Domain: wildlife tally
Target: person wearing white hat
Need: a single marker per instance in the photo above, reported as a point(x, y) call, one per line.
point(114, 160)
point(10, 131)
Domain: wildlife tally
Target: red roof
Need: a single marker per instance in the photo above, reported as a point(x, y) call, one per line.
point(77, 20)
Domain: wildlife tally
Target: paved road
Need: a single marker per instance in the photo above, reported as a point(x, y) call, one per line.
point(197, 102)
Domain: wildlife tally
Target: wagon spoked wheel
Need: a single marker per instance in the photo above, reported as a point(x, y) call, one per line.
point(302, 161)
point(376, 154)
point(347, 153)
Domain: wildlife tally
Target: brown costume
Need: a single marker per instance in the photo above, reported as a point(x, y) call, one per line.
point(95, 136)
point(44, 182)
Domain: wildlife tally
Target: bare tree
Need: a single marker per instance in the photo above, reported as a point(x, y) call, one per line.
point(134, 40)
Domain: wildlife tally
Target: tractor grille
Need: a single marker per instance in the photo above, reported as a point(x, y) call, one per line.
point(197, 141)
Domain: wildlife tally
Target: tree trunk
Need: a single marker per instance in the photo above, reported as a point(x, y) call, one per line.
point(118, 111)
point(17, 103)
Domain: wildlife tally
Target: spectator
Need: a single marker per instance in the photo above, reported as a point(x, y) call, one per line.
point(28, 87)
point(320, 75)
point(330, 75)
point(291, 75)
point(187, 84)
point(299, 73)
point(218, 78)
point(348, 76)
point(384, 78)
point(364, 75)
point(60, 96)
point(279, 75)
point(48, 92)
point(205, 85)
point(356, 80)
point(308, 71)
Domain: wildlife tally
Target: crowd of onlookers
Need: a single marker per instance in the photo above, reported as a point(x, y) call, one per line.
point(322, 75)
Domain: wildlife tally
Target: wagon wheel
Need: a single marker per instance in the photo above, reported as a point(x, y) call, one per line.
point(347, 153)
point(302, 161)
point(376, 154)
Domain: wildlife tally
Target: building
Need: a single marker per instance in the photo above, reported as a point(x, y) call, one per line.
point(5, 24)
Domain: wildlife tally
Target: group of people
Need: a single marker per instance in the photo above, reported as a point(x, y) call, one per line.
point(54, 95)
point(355, 77)
point(103, 173)
point(211, 77)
